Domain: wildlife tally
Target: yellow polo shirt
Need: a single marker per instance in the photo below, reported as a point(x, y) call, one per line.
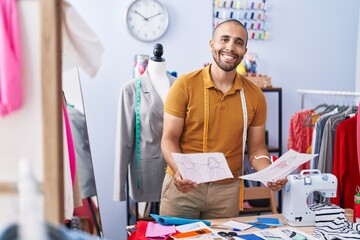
point(186, 100)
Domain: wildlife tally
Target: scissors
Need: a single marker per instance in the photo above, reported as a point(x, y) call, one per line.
point(228, 235)
point(357, 190)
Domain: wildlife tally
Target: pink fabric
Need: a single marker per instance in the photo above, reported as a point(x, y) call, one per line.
point(10, 60)
point(358, 139)
point(70, 142)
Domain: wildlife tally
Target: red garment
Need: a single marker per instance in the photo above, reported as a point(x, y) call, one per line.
point(300, 136)
point(140, 232)
point(345, 163)
point(84, 211)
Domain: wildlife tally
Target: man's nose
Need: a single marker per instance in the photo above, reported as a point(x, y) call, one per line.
point(230, 46)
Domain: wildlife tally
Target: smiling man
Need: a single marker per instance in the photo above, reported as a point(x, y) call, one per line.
point(204, 112)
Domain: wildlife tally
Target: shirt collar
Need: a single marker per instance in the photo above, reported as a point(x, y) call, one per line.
point(208, 83)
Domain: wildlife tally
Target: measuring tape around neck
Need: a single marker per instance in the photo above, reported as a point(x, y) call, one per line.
point(206, 129)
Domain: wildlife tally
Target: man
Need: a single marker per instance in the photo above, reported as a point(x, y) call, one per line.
point(204, 112)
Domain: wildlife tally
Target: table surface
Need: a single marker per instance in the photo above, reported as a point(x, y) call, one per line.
point(308, 229)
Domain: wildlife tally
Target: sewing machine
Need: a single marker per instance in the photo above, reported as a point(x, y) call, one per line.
point(299, 189)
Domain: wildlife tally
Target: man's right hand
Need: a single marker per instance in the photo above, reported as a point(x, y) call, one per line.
point(183, 185)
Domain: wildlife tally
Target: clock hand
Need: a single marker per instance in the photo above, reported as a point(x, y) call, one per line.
point(154, 15)
point(145, 18)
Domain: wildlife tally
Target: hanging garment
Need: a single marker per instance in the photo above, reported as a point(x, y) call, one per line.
point(317, 136)
point(151, 171)
point(358, 138)
point(10, 60)
point(331, 223)
point(300, 136)
point(68, 187)
point(326, 156)
point(84, 165)
point(70, 143)
point(345, 161)
point(72, 188)
point(79, 40)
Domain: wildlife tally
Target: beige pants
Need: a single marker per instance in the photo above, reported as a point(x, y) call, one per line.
point(208, 200)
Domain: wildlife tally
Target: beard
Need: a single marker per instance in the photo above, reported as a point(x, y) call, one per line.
point(227, 67)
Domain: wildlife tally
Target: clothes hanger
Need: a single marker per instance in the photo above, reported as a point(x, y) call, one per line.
point(308, 120)
point(320, 106)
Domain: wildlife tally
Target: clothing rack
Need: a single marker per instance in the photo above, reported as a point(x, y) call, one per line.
point(303, 92)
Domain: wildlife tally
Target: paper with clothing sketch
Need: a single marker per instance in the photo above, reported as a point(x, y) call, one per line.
point(282, 167)
point(240, 226)
point(286, 233)
point(191, 227)
point(202, 167)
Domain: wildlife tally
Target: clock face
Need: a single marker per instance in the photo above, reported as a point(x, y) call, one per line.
point(147, 20)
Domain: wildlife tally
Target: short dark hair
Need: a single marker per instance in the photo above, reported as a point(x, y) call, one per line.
point(230, 20)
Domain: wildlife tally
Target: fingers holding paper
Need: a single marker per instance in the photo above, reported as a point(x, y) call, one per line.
point(183, 185)
point(277, 185)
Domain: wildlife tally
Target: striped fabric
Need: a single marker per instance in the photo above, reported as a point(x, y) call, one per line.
point(331, 223)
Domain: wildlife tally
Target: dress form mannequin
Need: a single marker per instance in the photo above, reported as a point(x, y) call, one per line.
point(156, 69)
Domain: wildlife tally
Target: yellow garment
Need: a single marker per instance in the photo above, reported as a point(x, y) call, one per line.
point(241, 69)
point(186, 100)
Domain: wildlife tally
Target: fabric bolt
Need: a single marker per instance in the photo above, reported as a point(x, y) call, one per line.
point(331, 223)
point(345, 161)
point(152, 165)
point(186, 100)
point(11, 92)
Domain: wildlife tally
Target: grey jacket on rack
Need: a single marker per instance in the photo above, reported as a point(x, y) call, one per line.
point(151, 171)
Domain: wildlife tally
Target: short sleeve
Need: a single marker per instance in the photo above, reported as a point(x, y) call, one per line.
point(260, 111)
point(177, 98)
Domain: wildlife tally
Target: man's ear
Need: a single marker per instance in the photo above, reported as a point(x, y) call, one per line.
point(211, 45)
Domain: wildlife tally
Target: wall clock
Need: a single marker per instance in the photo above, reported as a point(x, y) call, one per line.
point(147, 20)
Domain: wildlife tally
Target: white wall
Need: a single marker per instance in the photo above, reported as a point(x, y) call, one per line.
point(358, 59)
point(21, 131)
point(312, 45)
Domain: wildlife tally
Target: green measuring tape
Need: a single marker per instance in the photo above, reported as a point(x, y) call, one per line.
point(137, 128)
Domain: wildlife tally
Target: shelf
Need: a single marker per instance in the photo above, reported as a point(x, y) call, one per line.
point(273, 149)
point(278, 149)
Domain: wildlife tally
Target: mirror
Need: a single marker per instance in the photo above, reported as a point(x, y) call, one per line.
point(84, 190)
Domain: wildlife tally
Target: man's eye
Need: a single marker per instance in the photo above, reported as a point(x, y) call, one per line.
point(240, 43)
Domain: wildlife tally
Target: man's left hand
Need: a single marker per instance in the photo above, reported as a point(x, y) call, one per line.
point(278, 185)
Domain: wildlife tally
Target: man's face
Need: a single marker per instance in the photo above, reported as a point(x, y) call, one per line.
point(228, 45)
